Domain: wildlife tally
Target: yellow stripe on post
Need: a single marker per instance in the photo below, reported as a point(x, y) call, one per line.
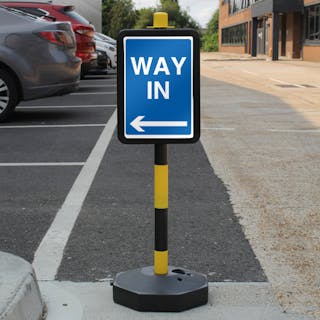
point(160, 20)
point(161, 262)
point(161, 184)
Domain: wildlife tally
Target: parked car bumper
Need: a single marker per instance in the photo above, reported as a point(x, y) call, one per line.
point(101, 67)
point(67, 73)
point(88, 64)
point(51, 90)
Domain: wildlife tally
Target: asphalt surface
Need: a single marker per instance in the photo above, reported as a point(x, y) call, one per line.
point(114, 231)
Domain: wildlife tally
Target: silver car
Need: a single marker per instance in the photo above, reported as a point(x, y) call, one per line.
point(37, 59)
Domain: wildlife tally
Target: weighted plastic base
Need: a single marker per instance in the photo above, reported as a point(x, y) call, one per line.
point(142, 290)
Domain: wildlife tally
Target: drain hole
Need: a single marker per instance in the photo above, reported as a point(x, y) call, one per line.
point(180, 271)
point(179, 279)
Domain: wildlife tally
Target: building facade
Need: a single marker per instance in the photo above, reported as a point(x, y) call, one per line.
point(276, 28)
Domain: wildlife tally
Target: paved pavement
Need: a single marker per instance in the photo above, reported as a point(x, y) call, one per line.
point(78, 205)
point(227, 301)
point(261, 126)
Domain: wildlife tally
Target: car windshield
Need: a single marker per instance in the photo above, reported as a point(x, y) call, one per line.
point(76, 16)
point(19, 12)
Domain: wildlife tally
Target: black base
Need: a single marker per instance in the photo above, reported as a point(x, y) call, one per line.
point(142, 290)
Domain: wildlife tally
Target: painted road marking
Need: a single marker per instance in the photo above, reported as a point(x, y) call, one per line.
point(54, 126)
point(98, 85)
point(64, 107)
point(250, 72)
point(295, 130)
point(39, 164)
point(287, 83)
point(49, 254)
point(102, 77)
point(219, 129)
point(86, 93)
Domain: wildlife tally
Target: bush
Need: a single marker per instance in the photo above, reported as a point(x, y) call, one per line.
point(210, 42)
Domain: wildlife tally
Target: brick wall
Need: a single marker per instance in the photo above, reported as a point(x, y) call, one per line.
point(311, 53)
point(225, 21)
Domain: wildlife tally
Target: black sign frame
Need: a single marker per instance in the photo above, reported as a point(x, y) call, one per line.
point(196, 83)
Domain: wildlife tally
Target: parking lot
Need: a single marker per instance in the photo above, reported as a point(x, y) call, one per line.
point(79, 205)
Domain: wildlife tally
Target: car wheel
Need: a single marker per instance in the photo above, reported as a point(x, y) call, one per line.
point(8, 95)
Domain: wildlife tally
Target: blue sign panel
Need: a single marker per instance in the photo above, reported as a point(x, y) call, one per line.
point(158, 88)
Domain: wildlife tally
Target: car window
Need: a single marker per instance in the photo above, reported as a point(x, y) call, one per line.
point(20, 13)
point(76, 16)
point(34, 11)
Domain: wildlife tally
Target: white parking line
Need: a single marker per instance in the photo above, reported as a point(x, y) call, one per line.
point(40, 164)
point(98, 86)
point(101, 77)
point(92, 81)
point(49, 254)
point(64, 107)
point(86, 93)
point(54, 126)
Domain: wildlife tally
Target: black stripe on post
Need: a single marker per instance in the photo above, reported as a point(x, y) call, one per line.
point(161, 154)
point(161, 230)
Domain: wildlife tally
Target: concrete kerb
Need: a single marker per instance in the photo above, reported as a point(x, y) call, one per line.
point(20, 297)
point(227, 301)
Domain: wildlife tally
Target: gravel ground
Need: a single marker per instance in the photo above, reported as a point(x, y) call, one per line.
point(261, 131)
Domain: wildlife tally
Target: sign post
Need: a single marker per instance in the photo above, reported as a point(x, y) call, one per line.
point(159, 103)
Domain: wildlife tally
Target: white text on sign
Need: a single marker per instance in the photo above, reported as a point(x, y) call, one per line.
point(154, 88)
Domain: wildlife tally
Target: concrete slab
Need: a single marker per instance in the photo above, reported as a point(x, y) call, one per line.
point(227, 301)
point(20, 297)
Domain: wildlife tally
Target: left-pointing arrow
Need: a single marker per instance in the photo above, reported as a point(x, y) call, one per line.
point(137, 123)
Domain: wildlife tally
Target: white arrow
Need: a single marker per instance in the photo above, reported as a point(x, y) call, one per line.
point(138, 124)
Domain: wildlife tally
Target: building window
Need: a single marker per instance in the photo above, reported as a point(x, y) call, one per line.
point(235, 36)
point(237, 5)
point(312, 15)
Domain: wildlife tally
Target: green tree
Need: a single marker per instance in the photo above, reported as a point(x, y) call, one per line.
point(210, 39)
point(213, 24)
point(144, 18)
point(117, 15)
point(177, 17)
point(106, 18)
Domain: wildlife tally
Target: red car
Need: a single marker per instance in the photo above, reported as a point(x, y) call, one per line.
point(84, 31)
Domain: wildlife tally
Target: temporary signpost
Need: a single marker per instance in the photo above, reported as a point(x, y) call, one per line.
point(158, 86)
point(159, 103)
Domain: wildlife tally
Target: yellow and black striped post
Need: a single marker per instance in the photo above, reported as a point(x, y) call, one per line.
point(161, 193)
point(161, 209)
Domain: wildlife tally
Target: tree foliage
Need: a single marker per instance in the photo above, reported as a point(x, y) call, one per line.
point(210, 39)
point(117, 15)
point(144, 18)
point(120, 14)
point(213, 24)
point(177, 17)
